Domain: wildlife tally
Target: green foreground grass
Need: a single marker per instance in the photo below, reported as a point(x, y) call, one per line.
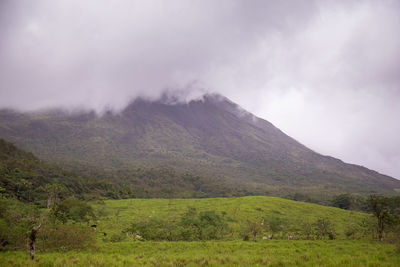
point(217, 253)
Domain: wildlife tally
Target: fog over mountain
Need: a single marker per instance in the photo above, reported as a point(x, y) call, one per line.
point(229, 150)
point(324, 72)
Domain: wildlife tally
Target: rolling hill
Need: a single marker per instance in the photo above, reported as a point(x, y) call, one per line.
point(120, 214)
point(165, 143)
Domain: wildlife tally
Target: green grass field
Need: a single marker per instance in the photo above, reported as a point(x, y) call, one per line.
point(119, 214)
point(215, 253)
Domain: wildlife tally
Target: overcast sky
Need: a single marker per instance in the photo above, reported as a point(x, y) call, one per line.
point(325, 72)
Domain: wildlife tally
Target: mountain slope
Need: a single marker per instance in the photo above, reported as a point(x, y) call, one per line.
point(211, 138)
point(26, 178)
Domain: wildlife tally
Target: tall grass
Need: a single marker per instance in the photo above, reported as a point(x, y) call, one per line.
point(214, 253)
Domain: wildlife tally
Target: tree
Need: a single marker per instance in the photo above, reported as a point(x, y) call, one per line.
point(212, 225)
point(343, 201)
point(32, 238)
point(35, 231)
point(73, 209)
point(254, 228)
point(307, 229)
point(324, 227)
point(53, 190)
point(16, 218)
point(276, 224)
point(383, 208)
point(206, 225)
point(63, 237)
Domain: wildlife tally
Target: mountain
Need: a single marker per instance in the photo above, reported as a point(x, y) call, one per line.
point(166, 143)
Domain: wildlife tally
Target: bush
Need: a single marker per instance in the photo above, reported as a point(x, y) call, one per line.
point(56, 236)
point(351, 231)
point(73, 209)
point(153, 229)
point(16, 219)
point(251, 230)
point(324, 228)
point(207, 225)
point(307, 230)
point(116, 238)
point(343, 201)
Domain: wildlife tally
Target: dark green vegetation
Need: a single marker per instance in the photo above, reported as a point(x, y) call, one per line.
point(64, 228)
point(386, 211)
point(203, 148)
point(29, 179)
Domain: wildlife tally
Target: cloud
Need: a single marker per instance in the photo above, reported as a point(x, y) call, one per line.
point(326, 72)
point(101, 53)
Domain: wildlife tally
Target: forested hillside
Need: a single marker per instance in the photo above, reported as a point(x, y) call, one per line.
point(29, 179)
point(24, 176)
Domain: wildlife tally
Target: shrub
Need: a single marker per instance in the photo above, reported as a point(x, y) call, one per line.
point(116, 238)
point(251, 229)
point(153, 229)
point(276, 225)
point(56, 236)
point(16, 218)
point(207, 225)
point(324, 228)
point(73, 209)
point(307, 230)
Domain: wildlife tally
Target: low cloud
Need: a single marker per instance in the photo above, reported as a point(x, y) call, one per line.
point(325, 72)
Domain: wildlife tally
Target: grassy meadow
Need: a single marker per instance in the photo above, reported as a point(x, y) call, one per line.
point(116, 248)
point(119, 214)
point(219, 253)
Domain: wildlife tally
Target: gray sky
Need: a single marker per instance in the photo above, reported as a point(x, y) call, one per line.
point(325, 72)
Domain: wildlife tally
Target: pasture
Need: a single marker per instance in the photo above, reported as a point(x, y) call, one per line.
point(219, 253)
point(114, 246)
point(117, 215)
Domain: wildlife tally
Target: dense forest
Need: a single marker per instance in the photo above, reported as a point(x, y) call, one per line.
point(26, 178)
